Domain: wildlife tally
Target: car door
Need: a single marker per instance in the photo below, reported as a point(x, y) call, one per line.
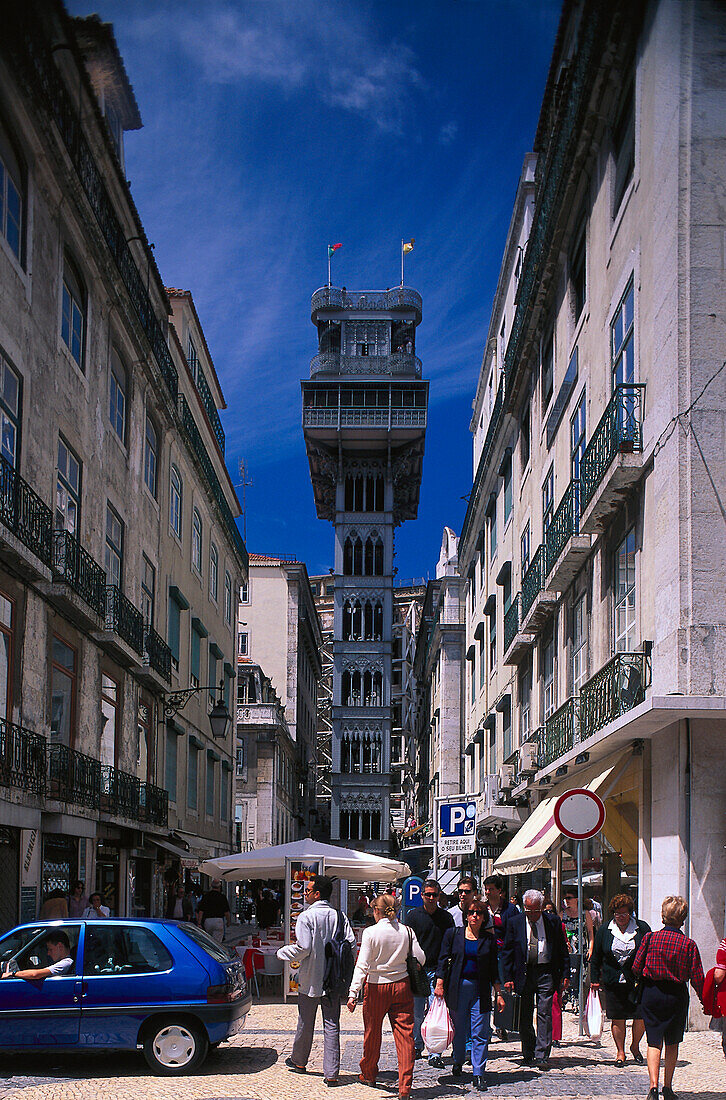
point(127, 971)
point(45, 1012)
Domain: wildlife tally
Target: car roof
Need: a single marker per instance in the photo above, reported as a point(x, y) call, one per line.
point(63, 922)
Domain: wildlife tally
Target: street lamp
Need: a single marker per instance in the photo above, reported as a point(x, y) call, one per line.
point(219, 716)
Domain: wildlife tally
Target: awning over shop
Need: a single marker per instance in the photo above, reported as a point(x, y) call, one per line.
point(175, 849)
point(539, 836)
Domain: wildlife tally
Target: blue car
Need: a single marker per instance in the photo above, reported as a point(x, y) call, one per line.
point(166, 987)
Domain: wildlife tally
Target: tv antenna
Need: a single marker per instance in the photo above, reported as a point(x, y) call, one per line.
point(244, 484)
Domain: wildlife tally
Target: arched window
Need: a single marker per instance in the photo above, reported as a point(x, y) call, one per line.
point(378, 559)
point(378, 622)
point(12, 194)
point(117, 395)
point(368, 688)
point(368, 561)
point(175, 502)
point(351, 688)
point(373, 558)
point(368, 621)
point(353, 556)
point(73, 313)
point(213, 571)
point(197, 541)
point(345, 689)
point(377, 690)
point(151, 451)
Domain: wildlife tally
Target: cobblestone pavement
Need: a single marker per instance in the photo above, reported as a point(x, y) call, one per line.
point(251, 1067)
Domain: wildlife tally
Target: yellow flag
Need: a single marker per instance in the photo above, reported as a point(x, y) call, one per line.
point(409, 246)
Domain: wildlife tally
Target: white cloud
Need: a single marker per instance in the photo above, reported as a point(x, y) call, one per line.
point(448, 132)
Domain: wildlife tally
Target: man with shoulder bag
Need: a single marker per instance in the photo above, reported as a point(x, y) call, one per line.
point(325, 951)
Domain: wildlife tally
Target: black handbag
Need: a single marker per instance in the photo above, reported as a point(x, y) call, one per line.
point(507, 1018)
point(419, 979)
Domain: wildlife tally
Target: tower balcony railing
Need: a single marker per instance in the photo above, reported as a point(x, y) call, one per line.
point(400, 297)
point(73, 776)
point(559, 733)
point(24, 514)
point(334, 363)
point(349, 417)
point(157, 654)
point(75, 566)
point(123, 619)
point(620, 431)
point(22, 758)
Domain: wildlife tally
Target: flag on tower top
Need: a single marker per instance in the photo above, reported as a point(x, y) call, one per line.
point(409, 246)
point(334, 248)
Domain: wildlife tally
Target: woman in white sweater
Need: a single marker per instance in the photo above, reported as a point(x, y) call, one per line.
point(382, 966)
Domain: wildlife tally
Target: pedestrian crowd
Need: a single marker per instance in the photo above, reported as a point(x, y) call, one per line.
point(490, 956)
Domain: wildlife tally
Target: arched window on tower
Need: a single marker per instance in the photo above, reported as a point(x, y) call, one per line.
point(378, 559)
point(353, 556)
point(378, 622)
point(368, 621)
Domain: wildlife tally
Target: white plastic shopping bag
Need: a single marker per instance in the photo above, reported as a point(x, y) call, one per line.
point(437, 1030)
point(593, 1015)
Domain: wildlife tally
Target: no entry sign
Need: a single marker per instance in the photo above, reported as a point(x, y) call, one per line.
point(579, 814)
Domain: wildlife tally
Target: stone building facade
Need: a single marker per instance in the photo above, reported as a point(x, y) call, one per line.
point(593, 547)
point(111, 447)
point(364, 421)
point(279, 630)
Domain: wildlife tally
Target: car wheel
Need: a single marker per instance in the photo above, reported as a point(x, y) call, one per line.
point(174, 1047)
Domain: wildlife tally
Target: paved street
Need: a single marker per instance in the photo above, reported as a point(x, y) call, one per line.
point(251, 1067)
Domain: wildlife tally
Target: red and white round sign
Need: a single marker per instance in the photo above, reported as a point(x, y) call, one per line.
point(579, 814)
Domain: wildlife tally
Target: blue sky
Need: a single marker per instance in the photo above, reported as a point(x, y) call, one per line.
point(274, 128)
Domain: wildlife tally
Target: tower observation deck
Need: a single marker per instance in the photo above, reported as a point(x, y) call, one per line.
point(364, 422)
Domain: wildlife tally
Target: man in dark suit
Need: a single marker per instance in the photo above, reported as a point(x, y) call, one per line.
point(535, 957)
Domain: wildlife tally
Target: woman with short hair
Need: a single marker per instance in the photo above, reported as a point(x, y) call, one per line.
point(611, 967)
point(382, 966)
point(666, 961)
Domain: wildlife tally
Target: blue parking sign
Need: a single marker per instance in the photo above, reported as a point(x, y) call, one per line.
point(457, 827)
point(411, 894)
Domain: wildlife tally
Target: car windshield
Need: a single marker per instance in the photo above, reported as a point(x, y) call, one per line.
point(216, 950)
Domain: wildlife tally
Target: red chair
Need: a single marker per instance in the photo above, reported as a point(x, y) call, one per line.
point(253, 961)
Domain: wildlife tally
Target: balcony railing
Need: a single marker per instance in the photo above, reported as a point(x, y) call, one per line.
point(158, 654)
point(332, 297)
point(119, 792)
point(334, 363)
point(153, 804)
point(79, 570)
point(73, 777)
point(211, 409)
point(483, 464)
point(511, 622)
point(22, 758)
point(620, 431)
point(348, 417)
point(559, 733)
point(565, 524)
point(122, 618)
point(533, 581)
point(614, 690)
point(24, 514)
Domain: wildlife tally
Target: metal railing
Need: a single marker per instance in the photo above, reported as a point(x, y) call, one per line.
point(24, 514)
point(332, 362)
point(157, 654)
point(73, 777)
point(559, 733)
point(211, 409)
point(77, 568)
point(347, 417)
point(533, 581)
point(511, 622)
point(482, 466)
point(22, 758)
point(565, 524)
point(619, 431)
point(124, 619)
point(119, 792)
point(332, 297)
point(153, 804)
point(614, 690)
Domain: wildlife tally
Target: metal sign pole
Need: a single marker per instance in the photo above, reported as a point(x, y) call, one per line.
point(436, 837)
point(581, 940)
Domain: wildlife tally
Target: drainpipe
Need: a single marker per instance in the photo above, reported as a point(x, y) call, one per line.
point(687, 839)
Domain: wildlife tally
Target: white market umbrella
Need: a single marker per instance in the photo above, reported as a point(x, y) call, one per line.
point(265, 863)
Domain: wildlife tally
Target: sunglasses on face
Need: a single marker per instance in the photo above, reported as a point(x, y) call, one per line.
point(431, 895)
point(465, 890)
point(476, 912)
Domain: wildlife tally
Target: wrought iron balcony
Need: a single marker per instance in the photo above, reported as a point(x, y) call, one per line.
point(73, 777)
point(24, 514)
point(332, 297)
point(559, 734)
point(119, 792)
point(565, 547)
point(537, 599)
point(347, 417)
point(22, 758)
point(72, 564)
point(157, 654)
point(614, 690)
point(208, 401)
point(511, 622)
point(123, 619)
point(335, 363)
point(619, 432)
point(153, 804)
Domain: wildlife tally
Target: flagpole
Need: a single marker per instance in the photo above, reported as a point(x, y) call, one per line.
point(401, 263)
point(328, 267)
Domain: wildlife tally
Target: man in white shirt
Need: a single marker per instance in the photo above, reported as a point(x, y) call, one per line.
point(95, 909)
point(466, 890)
point(315, 927)
point(59, 952)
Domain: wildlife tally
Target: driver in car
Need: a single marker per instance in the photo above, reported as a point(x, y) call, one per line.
point(59, 952)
